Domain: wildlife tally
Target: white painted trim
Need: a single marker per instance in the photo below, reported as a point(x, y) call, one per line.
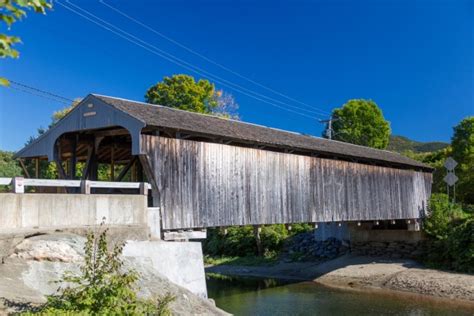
point(52, 183)
point(5, 181)
point(74, 183)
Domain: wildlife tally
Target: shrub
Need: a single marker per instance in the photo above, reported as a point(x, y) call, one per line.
point(451, 232)
point(442, 214)
point(461, 246)
point(103, 287)
point(240, 241)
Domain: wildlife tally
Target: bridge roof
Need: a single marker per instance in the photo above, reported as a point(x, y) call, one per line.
point(238, 131)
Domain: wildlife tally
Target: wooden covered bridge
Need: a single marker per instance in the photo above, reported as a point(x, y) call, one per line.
point(207, 171)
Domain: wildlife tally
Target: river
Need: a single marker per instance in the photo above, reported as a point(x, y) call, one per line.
point(253, 296)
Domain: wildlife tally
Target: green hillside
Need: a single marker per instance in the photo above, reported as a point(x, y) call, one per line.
point(402, 144)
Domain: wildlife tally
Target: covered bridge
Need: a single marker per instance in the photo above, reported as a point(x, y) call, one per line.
point(207, 171)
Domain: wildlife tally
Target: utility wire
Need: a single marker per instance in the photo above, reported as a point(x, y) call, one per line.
point(174, 59)
point(196, 69)
point(190, 50)
point(39, 93)
point(56, 96)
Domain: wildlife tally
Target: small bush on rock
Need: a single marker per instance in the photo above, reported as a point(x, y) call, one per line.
point(103, 287)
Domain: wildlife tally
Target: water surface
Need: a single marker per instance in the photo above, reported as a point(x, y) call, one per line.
point(253, 296)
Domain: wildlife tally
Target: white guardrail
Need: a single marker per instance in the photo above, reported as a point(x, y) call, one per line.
point(19, 183)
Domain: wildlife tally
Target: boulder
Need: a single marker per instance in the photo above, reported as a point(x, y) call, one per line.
point(30, 271)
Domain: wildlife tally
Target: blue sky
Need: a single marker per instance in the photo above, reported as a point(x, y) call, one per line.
point(413, 58)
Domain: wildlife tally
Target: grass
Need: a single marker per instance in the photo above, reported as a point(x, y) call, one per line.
point(241, 261)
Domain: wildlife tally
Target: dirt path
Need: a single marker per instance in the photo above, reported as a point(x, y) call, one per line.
point(367, 273)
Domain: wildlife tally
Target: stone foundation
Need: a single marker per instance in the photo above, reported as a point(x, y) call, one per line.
point(306, 246)
point(381, 242)
point(392, 249)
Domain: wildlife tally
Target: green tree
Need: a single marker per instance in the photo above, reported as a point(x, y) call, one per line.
point(436, 160)
point(185, 93)
point(10, 12)
point(58, 115)
point(451, 235)
point(361, 122)
point(462, 144)
point(9, 167)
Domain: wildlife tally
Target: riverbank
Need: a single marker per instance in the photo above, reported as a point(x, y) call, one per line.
point(365, 273)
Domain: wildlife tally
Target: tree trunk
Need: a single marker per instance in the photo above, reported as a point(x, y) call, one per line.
point(258, 241)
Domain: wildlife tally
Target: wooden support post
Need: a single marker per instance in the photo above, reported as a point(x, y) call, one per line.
point(112, 163)
point(85, 187)
point(37, 166)
point(125, 169)
point(57, 160)
point(133, 173)
point(256, 232)
point(140, 176)
point(85, 171)
point(94, 167)
point(61, 172)
point(72, 164)
point(59, 165)
point(25, 171)
point(143, 188)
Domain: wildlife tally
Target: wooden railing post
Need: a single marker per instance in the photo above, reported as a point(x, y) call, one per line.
point(85, 187)
point(18, 185)
point(143, 188)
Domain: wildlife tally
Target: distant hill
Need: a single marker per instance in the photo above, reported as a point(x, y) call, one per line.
point(401, 144)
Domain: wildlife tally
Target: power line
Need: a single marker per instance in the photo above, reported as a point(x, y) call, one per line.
point(56, 96)
point(38, 92)
point(188, 65)
point(137, 41)
point(207, 58)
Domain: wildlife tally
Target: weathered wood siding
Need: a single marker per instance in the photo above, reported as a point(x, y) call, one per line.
point(207, 184)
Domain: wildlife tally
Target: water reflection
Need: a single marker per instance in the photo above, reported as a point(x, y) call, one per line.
point(253, 296)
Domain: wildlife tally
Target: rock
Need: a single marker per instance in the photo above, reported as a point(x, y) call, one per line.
point(63, 248)
point(28, 274)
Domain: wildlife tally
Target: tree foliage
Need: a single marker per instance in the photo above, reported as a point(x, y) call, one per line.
point(9, 167)
point(58, 115)
point(402, 144)
point(240, 241)
point(104, 287)
point(462, 143)
point(10, 12)
point(451, 232)
point(185, 93)
point(462, 150)
point(361, 122)
point(436, 160)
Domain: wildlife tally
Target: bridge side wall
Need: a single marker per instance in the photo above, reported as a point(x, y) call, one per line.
point(70, 210)
point(203, 184)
